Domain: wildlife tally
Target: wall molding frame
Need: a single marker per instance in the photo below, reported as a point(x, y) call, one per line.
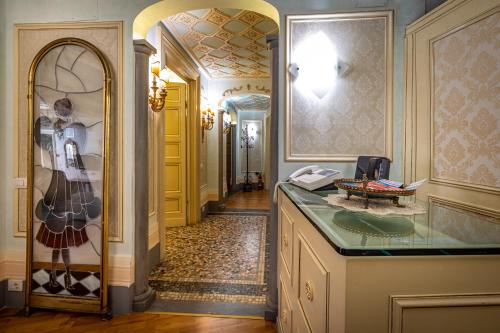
point(398, 304)
point(389, 63)
point(465, 206)
point(20, 130)
point(418, 151)
point(433, 178)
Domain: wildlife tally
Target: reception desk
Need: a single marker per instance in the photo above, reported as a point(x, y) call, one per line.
point(344, 271)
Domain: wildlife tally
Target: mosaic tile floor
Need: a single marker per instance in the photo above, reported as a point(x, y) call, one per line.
point(222, 259)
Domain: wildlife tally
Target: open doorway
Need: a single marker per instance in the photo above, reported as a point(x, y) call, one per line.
point(249, 154)
point(175, 166)
point(215, 260)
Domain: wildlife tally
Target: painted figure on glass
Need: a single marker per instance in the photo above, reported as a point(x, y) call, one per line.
point(69, 200)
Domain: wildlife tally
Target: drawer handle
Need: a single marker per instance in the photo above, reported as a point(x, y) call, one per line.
point(283, 316)
point(309, 291)
point(285, 240)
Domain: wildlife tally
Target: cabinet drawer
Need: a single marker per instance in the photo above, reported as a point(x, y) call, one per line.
point(286, 243)
point(299, 324)
point(285, 310)
point(313, 287)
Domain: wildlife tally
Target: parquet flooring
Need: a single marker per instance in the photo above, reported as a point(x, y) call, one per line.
point(47, 321)
point(249, 200)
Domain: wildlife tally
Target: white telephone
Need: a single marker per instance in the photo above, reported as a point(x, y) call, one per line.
point(303, 171)
point(310, 177)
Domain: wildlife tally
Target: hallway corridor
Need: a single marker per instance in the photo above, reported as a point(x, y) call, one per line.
point(216, 266)
point(258, 200)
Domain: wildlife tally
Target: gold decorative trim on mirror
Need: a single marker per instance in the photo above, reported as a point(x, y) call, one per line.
point(64, 224)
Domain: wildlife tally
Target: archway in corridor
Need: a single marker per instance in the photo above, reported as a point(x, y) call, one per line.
point(142, 23)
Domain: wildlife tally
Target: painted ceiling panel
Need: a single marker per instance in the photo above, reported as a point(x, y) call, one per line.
point(227, 43)
point(247, 103)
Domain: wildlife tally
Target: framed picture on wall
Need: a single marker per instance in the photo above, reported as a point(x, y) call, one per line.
point(68, 178)
point(339, 86)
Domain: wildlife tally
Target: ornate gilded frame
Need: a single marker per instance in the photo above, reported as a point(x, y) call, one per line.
point(389, 50)
point(55, 301)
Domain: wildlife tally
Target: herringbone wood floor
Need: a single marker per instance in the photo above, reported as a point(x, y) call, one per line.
point(46, 321)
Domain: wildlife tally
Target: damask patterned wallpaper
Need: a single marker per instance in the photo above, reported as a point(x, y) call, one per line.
point(350, 119)
point(466, 138)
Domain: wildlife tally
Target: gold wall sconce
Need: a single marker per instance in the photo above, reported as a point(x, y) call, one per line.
point(226, 122)
point(157, 99)
point(207, 121)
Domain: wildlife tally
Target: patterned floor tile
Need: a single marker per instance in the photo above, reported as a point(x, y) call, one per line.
point(223, 258)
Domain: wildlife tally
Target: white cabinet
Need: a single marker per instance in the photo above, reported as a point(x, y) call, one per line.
point(321, 290)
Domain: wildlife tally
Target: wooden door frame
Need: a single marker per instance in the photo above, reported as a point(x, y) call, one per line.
point(174, 56)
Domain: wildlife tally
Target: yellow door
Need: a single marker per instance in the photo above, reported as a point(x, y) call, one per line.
point(174, 169)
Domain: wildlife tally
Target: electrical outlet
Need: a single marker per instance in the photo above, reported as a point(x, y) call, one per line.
point(15, 285)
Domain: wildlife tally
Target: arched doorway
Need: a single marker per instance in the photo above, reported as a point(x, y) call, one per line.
point(154, 13)
point(145, 19)
point(251, 107)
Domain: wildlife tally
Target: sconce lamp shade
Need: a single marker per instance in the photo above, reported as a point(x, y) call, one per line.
point(155, 68)
point(159, 92)
point(293, 69)
point(207, 121)
point(316, 57)
point(164, 75)
point(343, 68)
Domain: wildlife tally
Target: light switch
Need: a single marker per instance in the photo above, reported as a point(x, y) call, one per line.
point(20, 182)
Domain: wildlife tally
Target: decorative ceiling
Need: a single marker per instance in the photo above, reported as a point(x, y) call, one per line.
point(226, 43)
point(248, 103)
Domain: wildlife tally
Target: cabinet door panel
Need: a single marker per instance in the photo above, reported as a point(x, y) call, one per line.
point(300, 324)
point(285, 311)
point(286, 239)
point(313, 285)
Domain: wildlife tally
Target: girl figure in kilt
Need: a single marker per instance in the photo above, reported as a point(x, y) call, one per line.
point(69, 199)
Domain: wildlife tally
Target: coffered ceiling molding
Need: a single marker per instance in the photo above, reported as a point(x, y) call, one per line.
point(247, 103)
point(151, 15)
point(225, 42)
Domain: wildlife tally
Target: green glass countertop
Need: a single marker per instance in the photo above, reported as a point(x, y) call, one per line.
point(442, 230)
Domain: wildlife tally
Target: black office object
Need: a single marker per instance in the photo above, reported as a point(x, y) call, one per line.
point(375, 167)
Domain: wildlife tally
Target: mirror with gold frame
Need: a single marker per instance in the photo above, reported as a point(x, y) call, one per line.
point(68, 176)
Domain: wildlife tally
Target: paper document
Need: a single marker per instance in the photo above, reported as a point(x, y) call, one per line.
point(415, 185)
